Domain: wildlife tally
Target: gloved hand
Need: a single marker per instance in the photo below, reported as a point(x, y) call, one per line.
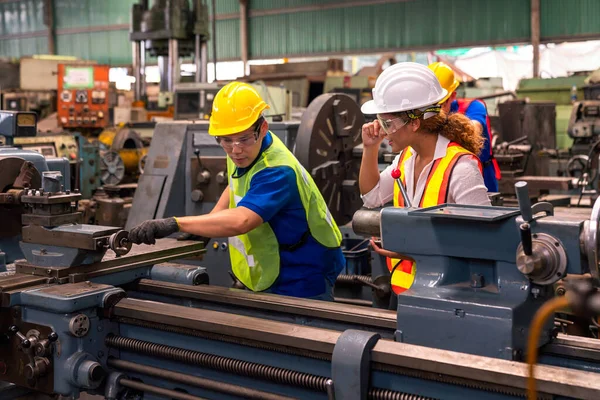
point(148, 231)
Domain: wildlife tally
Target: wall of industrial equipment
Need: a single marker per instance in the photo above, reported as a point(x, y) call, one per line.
point(99, 30)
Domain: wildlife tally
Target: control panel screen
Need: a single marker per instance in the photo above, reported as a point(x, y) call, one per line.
point(78, 78)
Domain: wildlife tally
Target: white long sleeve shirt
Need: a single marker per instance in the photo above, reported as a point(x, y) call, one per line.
point(466, 182)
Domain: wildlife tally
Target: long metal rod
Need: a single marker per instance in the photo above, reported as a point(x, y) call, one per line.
point(214, 36)
point(143, 387)
point(289, 305)
point(137, 87)
point(208, 384)
point(535, 36)
point(197, 59)
point(244, 34)
point(51, 27)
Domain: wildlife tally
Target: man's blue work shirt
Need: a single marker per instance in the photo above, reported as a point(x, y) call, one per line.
point(274, 195)
point(477, 112)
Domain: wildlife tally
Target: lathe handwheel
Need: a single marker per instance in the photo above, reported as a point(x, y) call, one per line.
point(329, 131)
point(592, 240)
point(119, 243)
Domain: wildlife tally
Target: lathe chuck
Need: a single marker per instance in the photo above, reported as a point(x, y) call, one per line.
point(329, 131)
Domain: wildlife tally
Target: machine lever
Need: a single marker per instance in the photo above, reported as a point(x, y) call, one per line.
point(524, 201)
point(396, 174)
point(25, 343)
point(526, 240)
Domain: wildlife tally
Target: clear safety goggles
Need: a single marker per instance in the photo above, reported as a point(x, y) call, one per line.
point(243, 142)
point(386, 124)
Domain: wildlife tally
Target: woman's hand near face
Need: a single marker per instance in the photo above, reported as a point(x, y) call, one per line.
point(372, 134)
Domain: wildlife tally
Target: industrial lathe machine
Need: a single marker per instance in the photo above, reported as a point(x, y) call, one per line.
point(87, 312)
point(84, 311)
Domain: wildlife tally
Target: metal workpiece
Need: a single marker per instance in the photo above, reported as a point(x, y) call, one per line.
point(367, 222)
point(180, 274)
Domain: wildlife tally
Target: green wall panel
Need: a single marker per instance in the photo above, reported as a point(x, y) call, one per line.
point(225, 6)
point(228, 40)
point(335, 27)
point(559, 18)
point(83, 13)
point(23, 47)
point(21, 17)
point(111, 47)
point(391, 26)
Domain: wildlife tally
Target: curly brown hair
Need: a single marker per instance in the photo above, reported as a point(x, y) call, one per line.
point(457, 128)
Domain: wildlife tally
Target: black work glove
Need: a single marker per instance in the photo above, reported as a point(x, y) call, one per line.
point(148, 231)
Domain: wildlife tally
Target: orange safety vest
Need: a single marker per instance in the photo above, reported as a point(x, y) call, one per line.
point(436, 192)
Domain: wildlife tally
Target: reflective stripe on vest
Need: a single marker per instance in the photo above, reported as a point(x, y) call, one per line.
point(255, 255)
point(463, 105)
point(435, 193)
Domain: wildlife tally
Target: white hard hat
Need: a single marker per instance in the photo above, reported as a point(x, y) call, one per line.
point(403, 87)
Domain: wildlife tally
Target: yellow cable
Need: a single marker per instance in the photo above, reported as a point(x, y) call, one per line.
point(547, 310)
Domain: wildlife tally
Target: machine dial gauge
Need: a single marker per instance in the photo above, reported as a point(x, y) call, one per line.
point(26, 119)
point(81, 96)
point(66, 96)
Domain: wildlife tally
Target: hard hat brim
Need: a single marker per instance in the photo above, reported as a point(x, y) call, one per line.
point(371, 108)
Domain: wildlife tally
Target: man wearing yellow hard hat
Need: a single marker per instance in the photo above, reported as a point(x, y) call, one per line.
point(282, 238)
point(476, 111)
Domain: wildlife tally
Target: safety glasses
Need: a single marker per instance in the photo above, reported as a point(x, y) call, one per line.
point(386, 124)
point(242, 142)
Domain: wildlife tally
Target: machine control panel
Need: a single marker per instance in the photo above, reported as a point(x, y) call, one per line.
point(52, 146)
point(83, 96)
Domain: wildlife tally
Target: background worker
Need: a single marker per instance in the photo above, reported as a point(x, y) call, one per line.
point(437, 157)
point(476, 111)
point(282, 238)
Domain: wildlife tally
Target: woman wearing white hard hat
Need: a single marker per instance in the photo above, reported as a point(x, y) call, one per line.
point(437, 163)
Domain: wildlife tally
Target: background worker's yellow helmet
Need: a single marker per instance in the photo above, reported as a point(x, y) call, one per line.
point(445, 75)
point(235, 108)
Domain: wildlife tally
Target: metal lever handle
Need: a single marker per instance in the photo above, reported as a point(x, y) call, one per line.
point(396, 174)
point(524, 200)
point(25, 343)
point(526, 240)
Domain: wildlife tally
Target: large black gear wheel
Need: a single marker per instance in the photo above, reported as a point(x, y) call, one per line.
point(329, 131)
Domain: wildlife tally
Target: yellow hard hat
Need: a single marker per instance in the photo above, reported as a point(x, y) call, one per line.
point(445, 75)
point(235, 108)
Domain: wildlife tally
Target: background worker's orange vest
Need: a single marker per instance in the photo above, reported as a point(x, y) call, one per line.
point(436, 192)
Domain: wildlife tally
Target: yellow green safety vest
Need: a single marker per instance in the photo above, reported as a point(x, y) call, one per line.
point(436, 192)
point(255, 255)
